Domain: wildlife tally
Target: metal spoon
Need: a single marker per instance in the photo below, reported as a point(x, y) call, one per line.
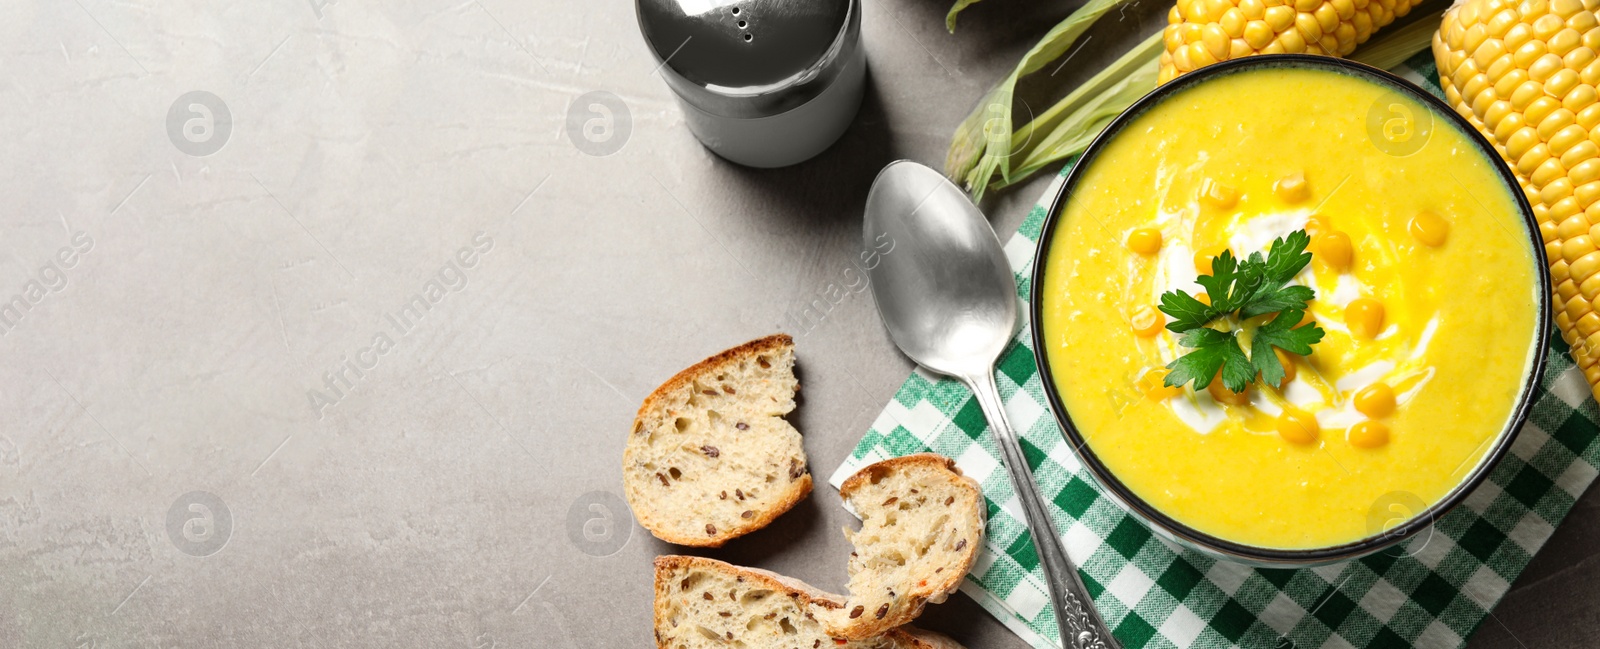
point(947, 296)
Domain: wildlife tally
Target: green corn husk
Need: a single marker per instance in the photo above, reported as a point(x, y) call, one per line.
point(982, 144)
point(1075, 121)
point(950, 18)
point(983, 163)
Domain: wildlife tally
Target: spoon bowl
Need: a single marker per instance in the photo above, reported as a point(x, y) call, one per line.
point(953, 305)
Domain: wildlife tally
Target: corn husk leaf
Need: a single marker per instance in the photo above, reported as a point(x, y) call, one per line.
point(984, 162)
point(950, 18)
point(981, 147)
point(1085, 112)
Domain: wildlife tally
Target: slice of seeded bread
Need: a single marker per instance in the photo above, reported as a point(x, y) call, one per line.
point(921, 527)
point(710, 456)
point(707, 604)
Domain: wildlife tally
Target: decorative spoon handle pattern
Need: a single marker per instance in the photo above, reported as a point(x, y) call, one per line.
point(1081, 625)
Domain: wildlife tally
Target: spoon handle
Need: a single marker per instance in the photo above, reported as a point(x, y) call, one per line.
point(1081, 626)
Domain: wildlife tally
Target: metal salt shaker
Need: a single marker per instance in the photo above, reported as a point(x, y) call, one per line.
point(763, 83)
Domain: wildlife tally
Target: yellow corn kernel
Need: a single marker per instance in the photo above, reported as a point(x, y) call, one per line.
point(1145, 241)
point(1147, 321)
point(1429, 228)
point(1317, 224)
point(1223, 395)
point(1588, 325)
point(1293, 41)
point(1286, 359)
point(1364, 317)
point(1172, 39)
point(1578, 154)
point(1368, 434)
point(1576, 247)
point(1203, 259)
point(1232, 23)
point(1219, 195)
point(1215, 41)
point(1154, 387)
point(1298, 426)
point(1566, 138)
point(1583, 267)
point(1257, 34)
point(1376, 400)
point(1334, 249)
point(1280, 18)
point(1558, 119)
point(1307, 27)
point(1293, 188)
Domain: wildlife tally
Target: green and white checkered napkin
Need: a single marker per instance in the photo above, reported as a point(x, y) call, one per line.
point(1431, 592)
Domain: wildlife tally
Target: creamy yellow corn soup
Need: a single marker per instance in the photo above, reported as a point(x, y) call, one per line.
point(1425, 284)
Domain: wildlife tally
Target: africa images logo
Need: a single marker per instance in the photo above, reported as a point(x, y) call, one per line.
point(51, 278)
point(199, 524)
point(450, 278)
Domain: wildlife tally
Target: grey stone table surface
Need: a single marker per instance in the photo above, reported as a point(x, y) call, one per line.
point(217, 430)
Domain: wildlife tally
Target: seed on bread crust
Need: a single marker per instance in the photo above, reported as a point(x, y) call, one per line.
point(742, 426)
point(883, 610)
point(748, 514)
point(857, 611)
point(711, 529)
point(710, 451)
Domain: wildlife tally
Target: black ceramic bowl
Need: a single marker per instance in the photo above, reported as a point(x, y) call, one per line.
point(1187, 536)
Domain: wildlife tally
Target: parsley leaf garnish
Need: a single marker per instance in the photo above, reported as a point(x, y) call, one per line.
point(1239, 291)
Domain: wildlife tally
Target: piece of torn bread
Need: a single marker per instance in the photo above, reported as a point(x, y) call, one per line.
point(707, 604)
point(921, 528)
point(710, 456)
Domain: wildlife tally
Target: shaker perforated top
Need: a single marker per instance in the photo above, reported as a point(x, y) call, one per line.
point(749, 58)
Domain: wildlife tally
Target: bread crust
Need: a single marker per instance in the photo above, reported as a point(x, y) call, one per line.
point(792, 493)
point(932, 591)
point(805, 595)
point(910, 637)
point(757, 347)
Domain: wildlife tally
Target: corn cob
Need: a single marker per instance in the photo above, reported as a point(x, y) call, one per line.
point(1525, 75)
point(1202, 32)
